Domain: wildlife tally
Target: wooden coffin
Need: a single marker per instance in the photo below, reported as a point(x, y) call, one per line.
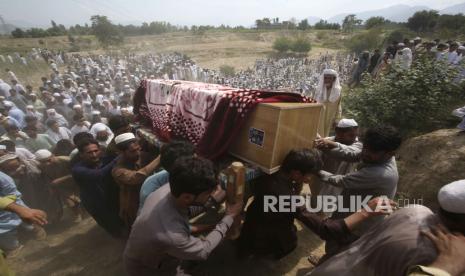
point(273, 129)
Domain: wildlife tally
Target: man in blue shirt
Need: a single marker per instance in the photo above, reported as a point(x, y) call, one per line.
point(168, 155)
point(93, 175)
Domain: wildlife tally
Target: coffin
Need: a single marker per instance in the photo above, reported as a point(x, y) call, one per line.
point(259, 127)
point(273, 129)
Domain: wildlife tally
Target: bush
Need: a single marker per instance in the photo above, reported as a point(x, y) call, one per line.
point(282, 44)
point(415, 101)
point(365, 41)
point(301, 45)
point(321, 35)
point(227, 70)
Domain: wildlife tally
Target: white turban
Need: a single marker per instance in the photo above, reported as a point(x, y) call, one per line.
point(42, 154)
point(124, 138)
point(321, 95)
point(346, 123)
point(451, 197)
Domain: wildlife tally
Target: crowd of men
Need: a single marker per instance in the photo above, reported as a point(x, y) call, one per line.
point(402, 54)
point(68, 146)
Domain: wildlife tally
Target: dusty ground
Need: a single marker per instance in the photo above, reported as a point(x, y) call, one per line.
point(85, 249)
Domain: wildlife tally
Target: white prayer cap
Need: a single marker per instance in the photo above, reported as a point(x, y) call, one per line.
point(345, 123)
point(401, 45)
point(42, 154)
point(417, 38)
point(124, 138)
point(462, 48)
point(51, 111)
point(329, 72)
point(127, 86)
point(100, 127)
point(30, 107)
point(8, 104)
point(95, 112)
point(77, 106)
point(451, 197)
point(56, 95)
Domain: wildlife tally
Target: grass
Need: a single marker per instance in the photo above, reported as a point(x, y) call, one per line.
point(213, 49)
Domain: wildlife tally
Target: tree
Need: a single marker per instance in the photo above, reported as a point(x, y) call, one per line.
point(365, 41)
point(423, 21)
point(350, 22)
point(375, 21)
point(324, 25)
point(106, 33)
point(303, 25)
point(18, 33)
point(454, 23)
point(282, 44)
point(301, 45)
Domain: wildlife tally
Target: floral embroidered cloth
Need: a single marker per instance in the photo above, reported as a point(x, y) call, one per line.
point(208, 115)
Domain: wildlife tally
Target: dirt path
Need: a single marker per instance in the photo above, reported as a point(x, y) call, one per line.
point(85, 249)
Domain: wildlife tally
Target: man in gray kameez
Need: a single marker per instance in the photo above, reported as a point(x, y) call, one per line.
point(376, 176)
point(340, 154)
point(161, 236)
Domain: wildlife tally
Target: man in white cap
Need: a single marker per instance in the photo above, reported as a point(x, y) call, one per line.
point(460, 54)
point(129, 173)
point(80, 125)
point(103, 134)
point(404, 57)
point(15, 113)
point(30, 111)
point(97, 118)
point(340, 154)
point(4, 89)
point(56, 171)
point(60, 119)
point(397, 243)
point(57, 132)
point(37, 141)
point(328, 93)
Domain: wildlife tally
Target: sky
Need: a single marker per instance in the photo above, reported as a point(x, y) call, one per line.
point(190, 12)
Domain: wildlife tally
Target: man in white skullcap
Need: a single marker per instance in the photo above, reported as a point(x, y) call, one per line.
point(60, 119)
point(102, 133)
point(56, 171)
point(129, 173)
point(404, 57)
point(340, 154)
point(460, 112)
point(328, 93)
point(97, 118)
point(397, 245)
